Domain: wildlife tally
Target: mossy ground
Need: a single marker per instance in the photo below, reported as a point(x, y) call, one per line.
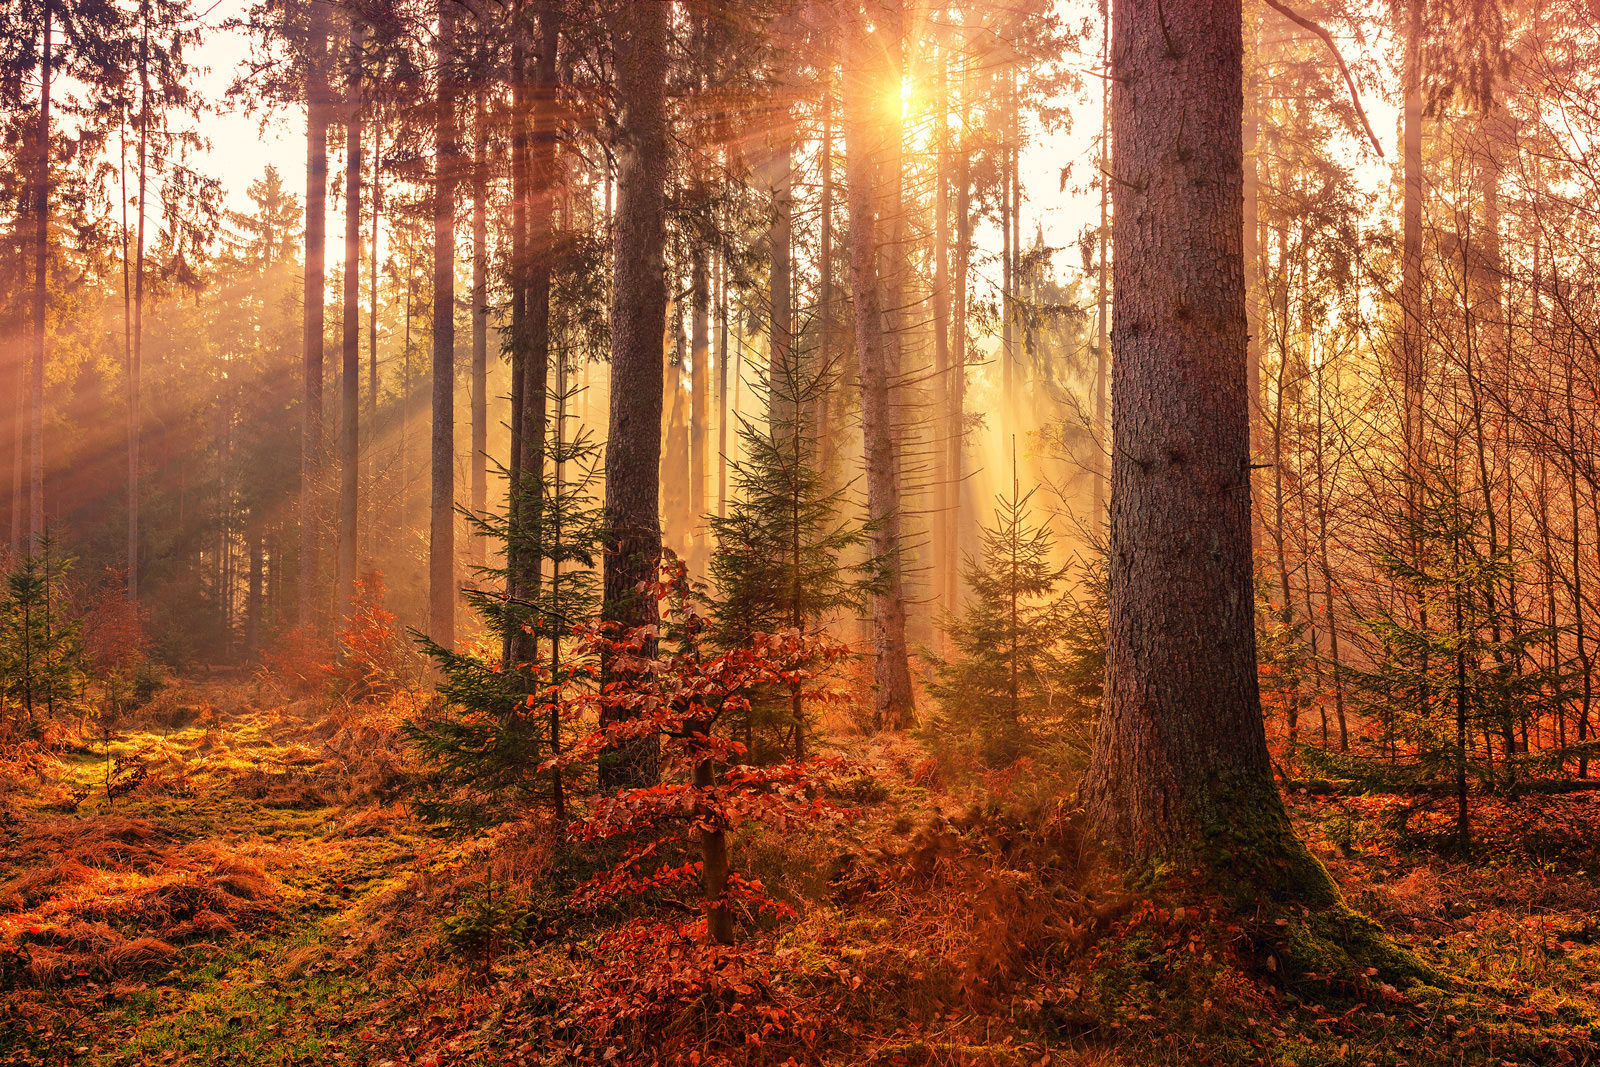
point(951, 922)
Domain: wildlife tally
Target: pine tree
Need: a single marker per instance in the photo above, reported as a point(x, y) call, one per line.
point(783, 549)
point(41, 647)
point(1014, 672)
point(496, 733)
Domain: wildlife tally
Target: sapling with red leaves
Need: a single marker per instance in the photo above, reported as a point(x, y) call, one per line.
point(677, 832)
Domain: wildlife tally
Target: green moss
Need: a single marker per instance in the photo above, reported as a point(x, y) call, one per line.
point(1252, 857)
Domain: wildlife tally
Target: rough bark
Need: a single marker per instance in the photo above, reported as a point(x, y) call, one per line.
point(638, 323)
point(1180, 770)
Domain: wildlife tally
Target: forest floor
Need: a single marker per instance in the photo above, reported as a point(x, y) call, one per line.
point(254, 891)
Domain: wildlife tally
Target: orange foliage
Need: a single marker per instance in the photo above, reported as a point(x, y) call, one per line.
point(372, 657)
point(113, 628)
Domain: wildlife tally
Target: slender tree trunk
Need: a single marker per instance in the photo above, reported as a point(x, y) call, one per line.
point(136, 347)
point(1411, 333)
point(1324, 563)
point(722, 386)
point(442, 526)
point(826, 446)
point(641, 34)
point(1102, 349)
point(350, 369)
point(962, 533)
point(1180, 754)
point(944, 552)
point(514, 648)
point(317, 107)
point(41, 256)
point(1252, 248)
point(372, 337)
point(480, 320)
point(714, 866)
point(533, 340)
point(1008, 283)
point(699, 392)
point(782, 371)
point(253, 598)
point(893, 705)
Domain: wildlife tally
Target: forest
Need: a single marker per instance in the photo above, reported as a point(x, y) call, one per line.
point(800, 532)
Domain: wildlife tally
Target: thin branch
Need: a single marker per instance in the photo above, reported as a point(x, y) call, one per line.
point(1327, 39)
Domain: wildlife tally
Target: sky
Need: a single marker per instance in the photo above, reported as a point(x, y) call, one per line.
point(243, 145)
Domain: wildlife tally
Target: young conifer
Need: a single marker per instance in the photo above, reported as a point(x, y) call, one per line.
point(1021, 642)
point(784, 550)
point(496, 734)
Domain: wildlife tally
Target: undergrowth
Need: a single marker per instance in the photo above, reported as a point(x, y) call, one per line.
point(261, 894)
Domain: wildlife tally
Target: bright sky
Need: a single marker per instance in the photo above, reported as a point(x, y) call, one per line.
point(242, 146)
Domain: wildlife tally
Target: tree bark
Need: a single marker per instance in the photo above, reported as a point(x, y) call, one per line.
point(638, 322)
point(136, 348)
point(41, 257)
point(317, 107)
point(350, 369)
point(1102, 348)
point(865, 66)
point(442, 525)
point(479, 464)
point(1180, 753)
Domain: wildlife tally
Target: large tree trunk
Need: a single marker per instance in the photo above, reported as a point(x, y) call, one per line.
point(638, 323)
point(442, 518)
point(317, 106)
point(41, 256)
point(350, 365)
point(1180, 769)
point(864, 67)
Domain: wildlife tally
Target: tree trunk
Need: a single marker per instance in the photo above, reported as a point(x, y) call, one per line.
point(136, 348)
point(1180, 755)
point(372, 336)
point(317, 107)
point(41, 256)
point(638, 322)
point(350, 369)
point(944, 553)
point(722, 386)
point(865, 63)
point(480, 322)
point(699, 392)
point(442, 527)
point(531, 338)
point(1102, 348)
point(962, 535)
